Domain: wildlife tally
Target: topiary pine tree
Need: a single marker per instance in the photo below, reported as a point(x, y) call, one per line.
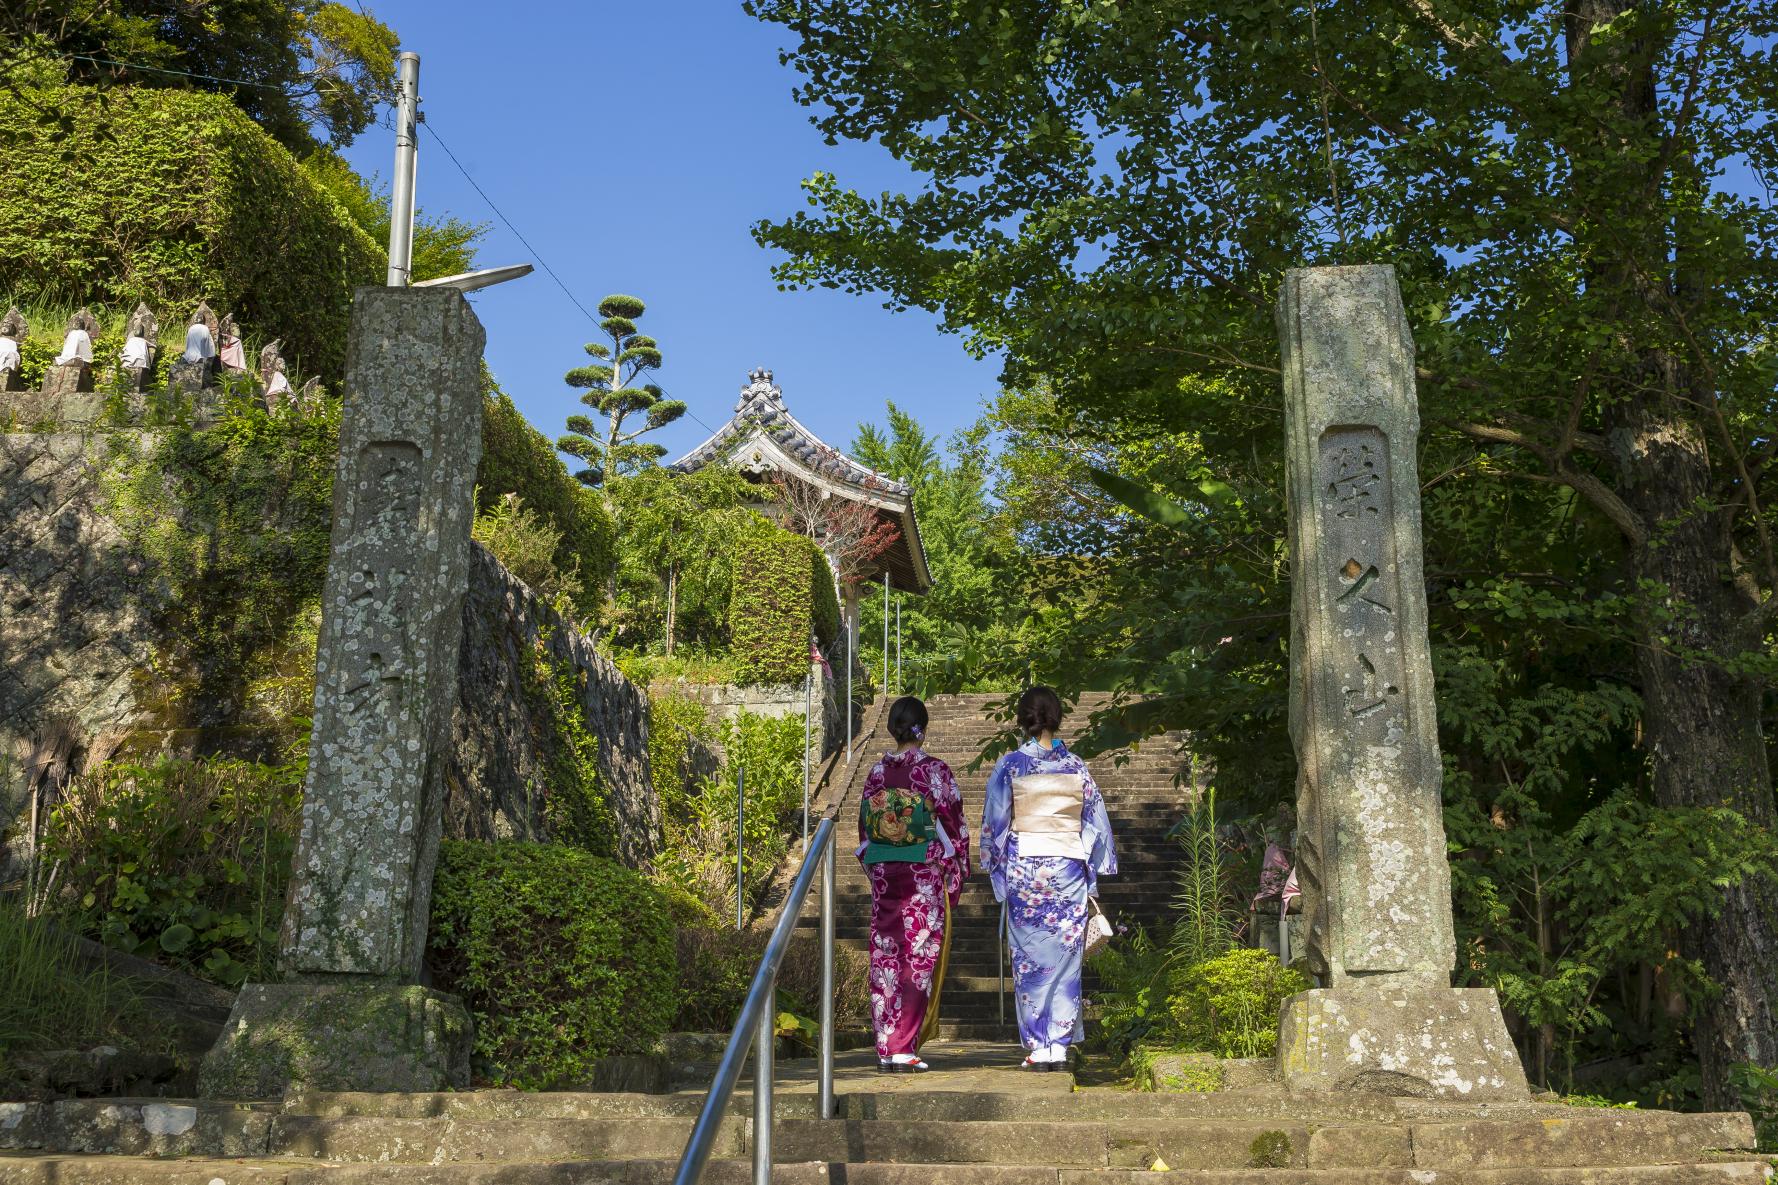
point(611, 391)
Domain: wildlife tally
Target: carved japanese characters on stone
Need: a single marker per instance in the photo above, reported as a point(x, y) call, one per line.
point(1371, 859)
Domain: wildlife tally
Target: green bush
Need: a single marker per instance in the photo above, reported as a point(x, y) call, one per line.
point(771, 605)
point(826, 594)
point(674, 722)
point(1230, 1005)
point(561, 956)
point(171, 196)
point(518, 459)
point(699, 855)
point(182, 861)
point(528, 547)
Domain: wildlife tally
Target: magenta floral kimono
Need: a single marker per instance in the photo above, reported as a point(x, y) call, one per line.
point(915, 849)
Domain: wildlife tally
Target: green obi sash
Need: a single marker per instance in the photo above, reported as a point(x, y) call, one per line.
point(897, 825)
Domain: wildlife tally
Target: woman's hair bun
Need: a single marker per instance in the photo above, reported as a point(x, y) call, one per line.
point(907, 719)
point(1040, 710)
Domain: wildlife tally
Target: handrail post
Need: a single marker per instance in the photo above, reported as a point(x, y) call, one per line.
point(762, 1094)
point(827, 921)
point(740, 843)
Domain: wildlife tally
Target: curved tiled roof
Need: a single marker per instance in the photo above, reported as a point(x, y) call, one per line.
point(760, 414)
point(762, 405)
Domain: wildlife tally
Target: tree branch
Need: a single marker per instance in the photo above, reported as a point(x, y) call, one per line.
point(1596, 492)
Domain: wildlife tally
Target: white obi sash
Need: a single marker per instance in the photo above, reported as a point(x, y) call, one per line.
point(1046, 812)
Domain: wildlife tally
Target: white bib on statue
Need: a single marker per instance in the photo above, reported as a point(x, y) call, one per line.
point(77, 345)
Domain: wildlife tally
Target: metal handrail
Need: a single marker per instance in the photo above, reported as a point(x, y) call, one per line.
point(755, 1025)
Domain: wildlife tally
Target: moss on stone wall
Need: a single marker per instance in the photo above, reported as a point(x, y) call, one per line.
point(171, 196)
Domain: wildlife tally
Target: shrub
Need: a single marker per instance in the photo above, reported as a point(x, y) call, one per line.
point(194, 201)
point(528, 547)
point(700, 849)
point(561, 956)
point(1229, 1005)
point(826, 607)
point(518, 459)
point(1131, 975)
point(771, 605)
point(183, 861)
point(674, 722)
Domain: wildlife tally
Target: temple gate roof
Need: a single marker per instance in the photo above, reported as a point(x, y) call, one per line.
point(762, 437)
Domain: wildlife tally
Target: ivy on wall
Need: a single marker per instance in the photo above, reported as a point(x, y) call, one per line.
point(772, 604)
point(172, 196)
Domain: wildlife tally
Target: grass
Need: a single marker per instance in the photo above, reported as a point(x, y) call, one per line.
point(48, 1000)
point(690, 665)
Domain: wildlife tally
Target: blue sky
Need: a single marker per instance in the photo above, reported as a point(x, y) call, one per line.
point(634, 145)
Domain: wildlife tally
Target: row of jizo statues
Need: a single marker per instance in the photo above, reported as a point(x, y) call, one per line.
point(213, 350)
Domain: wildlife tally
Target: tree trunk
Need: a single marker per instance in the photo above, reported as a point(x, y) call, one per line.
point(1702, 725)
point(1705, 740)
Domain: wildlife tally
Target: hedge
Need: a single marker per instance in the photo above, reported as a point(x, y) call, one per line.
point(827, 595)
point(172, 196)
point(771, 604)
point(561, 956)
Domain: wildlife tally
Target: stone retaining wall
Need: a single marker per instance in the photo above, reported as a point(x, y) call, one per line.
point(77, 626)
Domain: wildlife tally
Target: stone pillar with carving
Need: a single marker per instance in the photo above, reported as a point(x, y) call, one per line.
point(1371, 858)
point(351, 1014)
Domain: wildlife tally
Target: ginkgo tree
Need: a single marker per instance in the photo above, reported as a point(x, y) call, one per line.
point(611, 444)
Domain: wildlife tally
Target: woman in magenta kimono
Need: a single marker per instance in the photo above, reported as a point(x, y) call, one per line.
point(915, 849)
point(1046, 841)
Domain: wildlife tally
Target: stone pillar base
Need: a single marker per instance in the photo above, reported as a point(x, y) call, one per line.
point(1434, 1043)
point(367, 1036)
point(190, 377)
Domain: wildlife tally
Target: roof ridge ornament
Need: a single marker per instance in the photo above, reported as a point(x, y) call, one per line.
point(760, 389)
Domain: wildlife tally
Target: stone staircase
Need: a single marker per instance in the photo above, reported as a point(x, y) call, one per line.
point(1145, 792)
point(976, 1121)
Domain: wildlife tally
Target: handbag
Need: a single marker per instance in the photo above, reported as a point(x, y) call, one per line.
point(1098, 931)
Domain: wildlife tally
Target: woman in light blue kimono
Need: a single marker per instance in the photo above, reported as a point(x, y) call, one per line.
point(1046, 841)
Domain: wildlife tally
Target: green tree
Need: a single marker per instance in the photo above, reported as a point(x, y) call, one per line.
point(317, 71)
point(1114, 191)
point(608, 450)
point(949, 635)
point(674, 548)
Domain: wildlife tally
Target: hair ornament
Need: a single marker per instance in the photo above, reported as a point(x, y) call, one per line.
point(919, 733)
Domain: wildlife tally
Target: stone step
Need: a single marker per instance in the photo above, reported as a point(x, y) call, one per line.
point(1579, 1140)
point(115, 1170)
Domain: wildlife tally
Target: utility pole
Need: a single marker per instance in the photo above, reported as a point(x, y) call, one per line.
point(407, 143)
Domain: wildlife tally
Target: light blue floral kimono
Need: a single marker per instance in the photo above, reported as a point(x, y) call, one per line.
point(1046, 896)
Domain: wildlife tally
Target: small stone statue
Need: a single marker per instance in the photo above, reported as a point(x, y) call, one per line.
point(72, 371)
point(140, 345)
point(196, 367)
point(13, 330)
point(271, 373)
point(200, 335)
point(78, 345)
point(229, 348)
